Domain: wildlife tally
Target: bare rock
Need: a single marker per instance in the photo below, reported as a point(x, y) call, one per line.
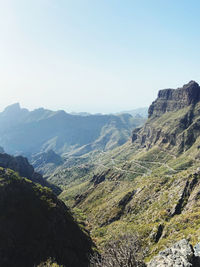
point(174, 99)
point(179, 255)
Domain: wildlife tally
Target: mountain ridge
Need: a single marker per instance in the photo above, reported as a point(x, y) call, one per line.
point(29, 132)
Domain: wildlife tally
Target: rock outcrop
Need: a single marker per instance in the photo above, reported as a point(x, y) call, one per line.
point(180, 129)
point(174, 99)
point(180, 254)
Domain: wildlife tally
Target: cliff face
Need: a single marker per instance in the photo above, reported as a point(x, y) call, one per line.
point(174, 120)
point(174, 99)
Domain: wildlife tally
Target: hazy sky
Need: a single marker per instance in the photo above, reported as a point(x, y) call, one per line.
point(96, 55)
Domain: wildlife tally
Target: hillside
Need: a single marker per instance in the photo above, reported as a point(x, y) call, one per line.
point(25, 132)
point(150, 185)
point(36, 226)
point(21, 165)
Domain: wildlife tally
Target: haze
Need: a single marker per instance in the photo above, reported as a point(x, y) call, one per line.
point(95, 56)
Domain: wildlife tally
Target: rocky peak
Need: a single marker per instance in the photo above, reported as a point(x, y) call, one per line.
point(12, 108)
point(174, 99)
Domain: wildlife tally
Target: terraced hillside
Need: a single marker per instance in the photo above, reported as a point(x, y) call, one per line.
point(150, 185)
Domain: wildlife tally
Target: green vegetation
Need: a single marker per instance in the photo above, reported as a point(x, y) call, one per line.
point(36, 226)
point(147, 187)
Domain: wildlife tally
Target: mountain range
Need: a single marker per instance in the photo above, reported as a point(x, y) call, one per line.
point(25, 132)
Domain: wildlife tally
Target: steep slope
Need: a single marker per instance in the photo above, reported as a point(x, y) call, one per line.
point(24, 132)
point(173, 120)
point(35, 226)
point(21, 165)
point(46, 162)
point(149, 185)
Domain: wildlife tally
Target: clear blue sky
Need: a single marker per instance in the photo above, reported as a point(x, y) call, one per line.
point(96, 55)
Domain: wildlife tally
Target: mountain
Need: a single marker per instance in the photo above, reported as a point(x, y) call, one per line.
point(26, 132)
point(149, 185)
point(173, 120)
point(36, 226)
point(138, 112)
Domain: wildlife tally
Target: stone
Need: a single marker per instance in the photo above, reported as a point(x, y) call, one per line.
point(181, 254)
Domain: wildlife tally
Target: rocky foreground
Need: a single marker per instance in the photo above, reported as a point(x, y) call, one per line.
point(181, 254)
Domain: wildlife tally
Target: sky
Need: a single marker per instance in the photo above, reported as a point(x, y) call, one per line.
point(96, 55)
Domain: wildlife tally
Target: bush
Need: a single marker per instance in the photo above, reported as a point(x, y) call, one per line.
point(124, 252)
point(49, 263)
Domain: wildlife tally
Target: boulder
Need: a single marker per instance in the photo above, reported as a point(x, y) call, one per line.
point(181, 254)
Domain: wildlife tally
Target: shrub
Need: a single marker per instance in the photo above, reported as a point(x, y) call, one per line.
point(124, 252)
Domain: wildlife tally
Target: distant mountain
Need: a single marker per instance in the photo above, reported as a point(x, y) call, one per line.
point(29, 132)
point(138, 112)
point(81, 113)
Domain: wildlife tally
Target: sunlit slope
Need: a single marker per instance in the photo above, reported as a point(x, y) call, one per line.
point(150, 185)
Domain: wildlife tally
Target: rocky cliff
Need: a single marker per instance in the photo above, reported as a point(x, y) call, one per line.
point(174, 99)
point(174, 120)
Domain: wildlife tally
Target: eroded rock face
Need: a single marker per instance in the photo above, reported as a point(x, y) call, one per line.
point(174, 99)
point(180, 129)
point(179, 255)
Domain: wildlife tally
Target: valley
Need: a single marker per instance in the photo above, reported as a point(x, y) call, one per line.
point(147, 186)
